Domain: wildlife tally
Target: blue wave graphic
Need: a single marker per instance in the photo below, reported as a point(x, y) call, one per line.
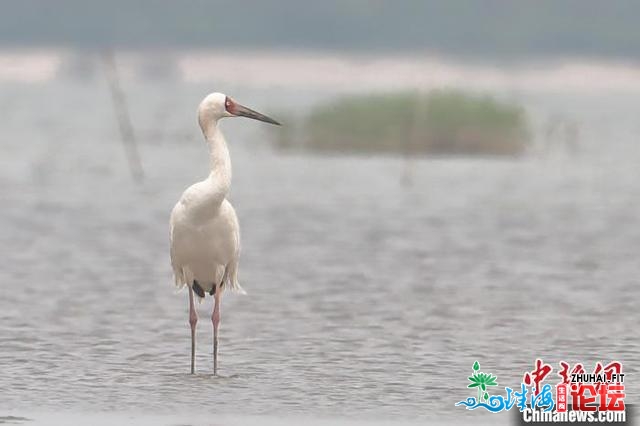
point(495, 405)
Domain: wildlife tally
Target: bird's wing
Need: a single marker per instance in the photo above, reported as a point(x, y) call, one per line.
point(177, 269)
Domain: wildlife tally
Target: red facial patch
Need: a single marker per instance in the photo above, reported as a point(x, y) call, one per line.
point(230, 106)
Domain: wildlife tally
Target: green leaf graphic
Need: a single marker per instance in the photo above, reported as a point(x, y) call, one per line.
point(481, 380)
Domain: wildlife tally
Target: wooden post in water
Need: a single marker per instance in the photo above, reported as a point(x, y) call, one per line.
point(122, 114)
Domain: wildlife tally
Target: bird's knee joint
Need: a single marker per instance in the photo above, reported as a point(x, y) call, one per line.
point(193, 320)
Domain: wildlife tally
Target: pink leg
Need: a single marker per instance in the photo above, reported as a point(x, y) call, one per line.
point(193, 320)
point(215, 319)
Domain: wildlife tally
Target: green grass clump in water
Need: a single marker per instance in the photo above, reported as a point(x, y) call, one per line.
point(446, 122)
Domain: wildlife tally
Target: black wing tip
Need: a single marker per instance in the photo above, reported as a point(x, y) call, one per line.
point(199, 290)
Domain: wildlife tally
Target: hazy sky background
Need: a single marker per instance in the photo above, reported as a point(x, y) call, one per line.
point(498, 28)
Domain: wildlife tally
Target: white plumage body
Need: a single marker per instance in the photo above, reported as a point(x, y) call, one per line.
point(205, 249)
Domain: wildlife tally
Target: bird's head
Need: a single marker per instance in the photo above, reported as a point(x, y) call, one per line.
point(218, 105)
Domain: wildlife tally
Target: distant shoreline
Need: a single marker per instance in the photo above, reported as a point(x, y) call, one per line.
point(321, 70)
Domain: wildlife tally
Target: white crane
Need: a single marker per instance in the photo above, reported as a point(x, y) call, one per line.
point(205, 235)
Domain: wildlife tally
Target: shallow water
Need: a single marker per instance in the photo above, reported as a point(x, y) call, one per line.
point(369, 298)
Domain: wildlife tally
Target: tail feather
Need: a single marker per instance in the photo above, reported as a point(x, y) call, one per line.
point(178, 279)
point(232, 278)
point(182, 276)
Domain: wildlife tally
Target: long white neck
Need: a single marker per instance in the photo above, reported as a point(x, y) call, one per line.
point(207, 195)
point(220, 162)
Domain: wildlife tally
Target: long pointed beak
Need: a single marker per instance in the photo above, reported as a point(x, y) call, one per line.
point(243, 111)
